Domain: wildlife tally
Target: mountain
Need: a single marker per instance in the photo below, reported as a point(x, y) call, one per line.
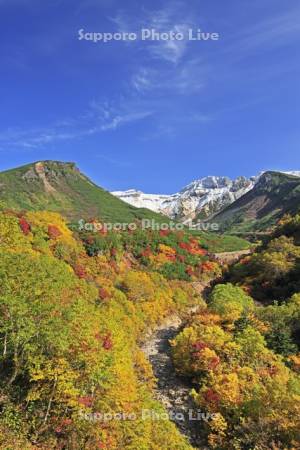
point(61, 187)
point(199, 200)
point(239, 205)
point(273, 195)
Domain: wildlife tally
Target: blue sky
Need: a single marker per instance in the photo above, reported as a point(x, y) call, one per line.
point(151, 115)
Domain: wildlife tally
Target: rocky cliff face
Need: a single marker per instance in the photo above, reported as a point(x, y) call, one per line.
point(200, 199)
point(273, 195)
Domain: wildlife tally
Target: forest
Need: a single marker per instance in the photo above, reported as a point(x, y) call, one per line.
point(76, 306)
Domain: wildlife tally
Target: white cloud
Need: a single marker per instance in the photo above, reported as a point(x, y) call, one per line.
point(142, 80)
point(276, 30)
point(268, 34)
point(188, 78)
point(171, 50)
point(117, 121)
point(99, 118)
point(172, 17)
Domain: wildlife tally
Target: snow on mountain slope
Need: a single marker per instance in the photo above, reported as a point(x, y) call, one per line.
point(141, 200)
point(200, 199)
point(296, 173)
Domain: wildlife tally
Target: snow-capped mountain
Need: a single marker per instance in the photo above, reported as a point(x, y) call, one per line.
point(153, 202)
point(296, 173)
point(200, 199)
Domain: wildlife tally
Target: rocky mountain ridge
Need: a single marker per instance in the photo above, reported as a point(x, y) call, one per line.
point(273, 195)
point(200, 199)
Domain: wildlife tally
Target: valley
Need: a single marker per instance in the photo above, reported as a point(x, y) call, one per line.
point(193, 334)
point(149, 225)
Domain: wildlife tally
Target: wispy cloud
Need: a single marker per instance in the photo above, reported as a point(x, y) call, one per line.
point(171, 50)
point(99, 118)
point(127, 118)
point(113, 161)
point(162, 75)
point(268, 34)
point(169, 94)
point(274, 31)
point(144, 79)
point(34, 137)
point(172, 17)
point(188, 78)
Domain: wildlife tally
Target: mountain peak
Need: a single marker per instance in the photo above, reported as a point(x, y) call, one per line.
point(61, 187)
point(57, 166)
point(48, 172)
point(204, 197)
point(273, 195)
point(209, 182)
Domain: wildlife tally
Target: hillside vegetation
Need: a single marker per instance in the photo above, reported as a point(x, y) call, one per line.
point(73, 309)
point(61, 187)
point(273, 271)
point(274, 195)
point(77, 303)
point(244, 357)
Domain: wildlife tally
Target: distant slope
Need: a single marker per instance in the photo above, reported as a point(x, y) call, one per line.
point(273, 195)
point(199, 200)
point(61, 187)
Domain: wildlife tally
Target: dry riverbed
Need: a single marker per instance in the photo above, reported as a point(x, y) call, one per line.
point(171, 390)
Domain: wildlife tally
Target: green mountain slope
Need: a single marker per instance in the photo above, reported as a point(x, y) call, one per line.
point(274, 195)
point(61, 187)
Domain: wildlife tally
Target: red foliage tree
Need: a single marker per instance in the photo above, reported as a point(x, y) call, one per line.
point(80, 271)
point(53, 232)
point(103, 293)
point(189, 270)
point(201, 251)
point(107, 342)
point(198, 346)
point(64, 424)
point(147, 252)
point(164, 233)
point(86, 401)
point(25, 226)
point(184, 246)
point(207, 266)
point(211, 396)
point(214, 362)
